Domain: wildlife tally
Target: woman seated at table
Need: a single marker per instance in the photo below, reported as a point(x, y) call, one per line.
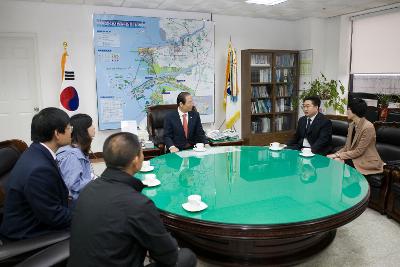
point(73, 159)
point(360, 150)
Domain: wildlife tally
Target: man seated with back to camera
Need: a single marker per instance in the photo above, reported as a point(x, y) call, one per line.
point(314, 130)
point(36, 195)
point(182, 127)
point(114, 224)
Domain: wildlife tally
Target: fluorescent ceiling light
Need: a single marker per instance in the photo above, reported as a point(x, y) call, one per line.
point(265, 2)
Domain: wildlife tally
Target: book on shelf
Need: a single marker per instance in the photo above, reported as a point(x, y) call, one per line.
point(261, 75)
point(261, 125)
point(260, 61)
point(283, 123)
point(283, 104)
point(259, 91)
point(261, 106)
point(285, 60)
point(282, 75)
point(284, 90)
point(266, 125)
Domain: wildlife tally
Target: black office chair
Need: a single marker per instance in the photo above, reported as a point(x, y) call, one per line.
point(155, 123)
point(12, 252)
point(56, 255)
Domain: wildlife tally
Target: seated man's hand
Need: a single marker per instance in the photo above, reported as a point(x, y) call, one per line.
point(173, 149)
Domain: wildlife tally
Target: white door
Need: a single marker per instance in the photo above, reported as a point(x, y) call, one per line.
point(18, 86)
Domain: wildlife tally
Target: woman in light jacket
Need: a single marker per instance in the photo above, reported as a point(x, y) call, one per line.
point(73, 159)
point(360, 148)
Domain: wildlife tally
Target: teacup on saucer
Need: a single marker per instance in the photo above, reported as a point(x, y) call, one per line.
point(276, 147)
point(147, 169)
point(194, 204)
point(306, 154)
point(187, 206)
point(151, 180)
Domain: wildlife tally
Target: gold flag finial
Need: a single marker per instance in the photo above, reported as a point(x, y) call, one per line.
point(65, 44)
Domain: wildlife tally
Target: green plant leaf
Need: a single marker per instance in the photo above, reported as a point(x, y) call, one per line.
point(329, 90)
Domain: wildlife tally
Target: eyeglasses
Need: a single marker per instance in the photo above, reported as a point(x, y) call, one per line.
point(70, 127)
point(307, 107)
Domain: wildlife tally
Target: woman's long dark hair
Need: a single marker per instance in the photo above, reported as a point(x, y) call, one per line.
point(80, 135)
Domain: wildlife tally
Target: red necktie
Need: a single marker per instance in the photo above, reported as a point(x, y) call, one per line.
point(185, 125)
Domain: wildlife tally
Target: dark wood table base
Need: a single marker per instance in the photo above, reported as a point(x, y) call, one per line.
point(255, 252)
point(258, 245)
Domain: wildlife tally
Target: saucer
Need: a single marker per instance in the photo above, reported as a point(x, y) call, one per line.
point(154, 182)
point(199, 150)
point(277, 149)
point(306, 155)
point(149, 169)
point(190, 208)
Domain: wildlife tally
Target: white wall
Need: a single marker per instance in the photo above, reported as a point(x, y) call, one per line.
point(330, 41)
point(55, 23)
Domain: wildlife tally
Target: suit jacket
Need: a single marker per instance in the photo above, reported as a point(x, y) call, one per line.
point(37, 198)
point(362, 150)
point(319, 134)
point(174, 134)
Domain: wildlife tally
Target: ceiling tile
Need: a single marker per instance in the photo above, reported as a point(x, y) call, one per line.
point(290, 10)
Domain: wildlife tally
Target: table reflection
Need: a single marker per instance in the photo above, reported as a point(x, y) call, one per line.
point(253, 185)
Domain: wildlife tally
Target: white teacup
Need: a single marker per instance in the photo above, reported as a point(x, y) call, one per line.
point(151, 177)
point(146, 164)
point(199, 146)
point(274, 145)
point(306, 151)
point(194, 200)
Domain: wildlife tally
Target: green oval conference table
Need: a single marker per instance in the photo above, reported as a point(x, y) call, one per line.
point(264, 207)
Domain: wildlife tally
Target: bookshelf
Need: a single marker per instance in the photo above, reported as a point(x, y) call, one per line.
point(270, 79)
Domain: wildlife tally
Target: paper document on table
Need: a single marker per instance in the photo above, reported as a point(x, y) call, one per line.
point(129, 126)
point(208, 151)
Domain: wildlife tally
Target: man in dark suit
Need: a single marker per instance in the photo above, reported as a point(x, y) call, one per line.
point(182, 128)
point(37, 198)
point(313, 129)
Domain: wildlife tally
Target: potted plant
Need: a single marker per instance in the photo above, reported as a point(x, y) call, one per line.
point(328, 92)
point(383, 105)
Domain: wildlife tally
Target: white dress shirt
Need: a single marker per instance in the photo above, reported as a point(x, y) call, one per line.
point(181, 116)
point(51, 151)
point(305, 141)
